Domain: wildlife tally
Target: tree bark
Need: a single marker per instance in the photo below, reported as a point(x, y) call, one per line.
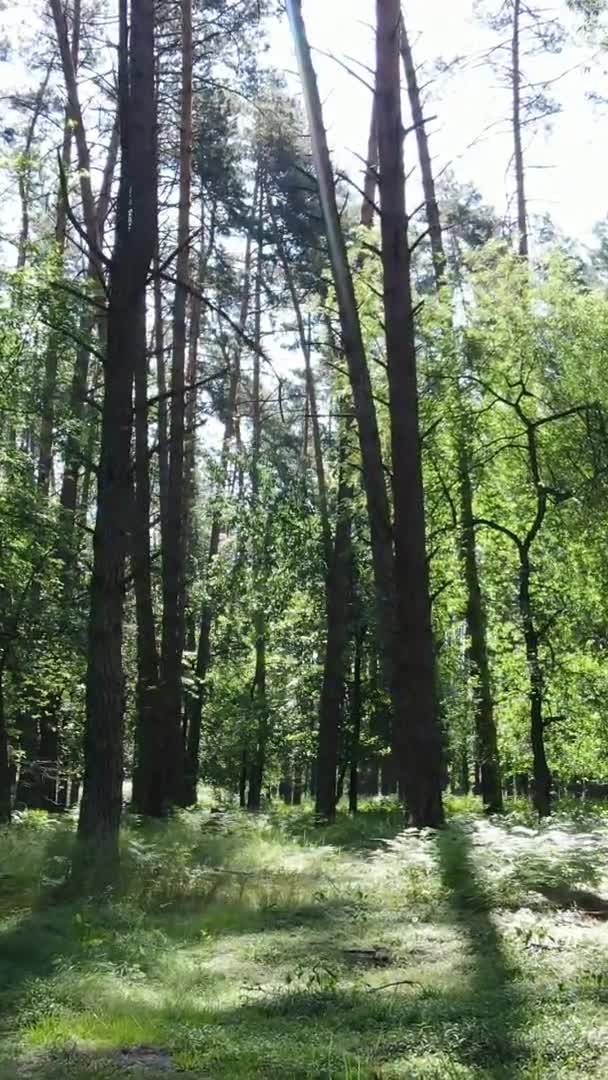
point(173, 537)
point(542, 776)
point(161, 381)
point(148, 775)
point(5, 772)
point(77, 123)
point(485, 724)
point(424, 157)
point(100, 809)
point(518, 153)
point(196, 702)
point(258, 689)
point(311, 392)
point(24, 170)
point(491, 788)
point(416, 733)
point(370, 183)
point(354, 351)
point(356, 710)
point(337, 597)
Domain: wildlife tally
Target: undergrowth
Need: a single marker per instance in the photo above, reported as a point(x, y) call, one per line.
point(265, 946)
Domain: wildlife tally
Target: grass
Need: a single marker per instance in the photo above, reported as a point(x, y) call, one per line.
point(267, 947)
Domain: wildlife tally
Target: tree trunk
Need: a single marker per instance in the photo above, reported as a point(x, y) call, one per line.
point(542, 775)
point(68, 63)
point(370, 183)
point(474, 614)
point(518, 153)
point(161, 381)
point(298, 785)
point(424, 157)
point(100, 809)
point(337, 595)
point(5, 772)
point(311, 392)
point(487, 741)
point(354, 351)
point(148, 775)
point(24, 171)
point(243, 781)
point(416, 734)
point(196, 702)
point(173, 539)
point(353, 788)
point(258, 688)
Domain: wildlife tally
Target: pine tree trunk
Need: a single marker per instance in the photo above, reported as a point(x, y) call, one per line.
point(337, 595)
point(148, 776)
point(257, 760)
point(518, 153)
point(161, 381)
point(356, 708)
point(370, 183)
point(100, 809)
point(485, 724)
point(424, 157)
point(5, 772)
point(542, 775)
point(474, 614)
point(196, 702)
point(311, 393)
point(354, 351)
point(173, 538)
point(25, 168)
point(416, 734)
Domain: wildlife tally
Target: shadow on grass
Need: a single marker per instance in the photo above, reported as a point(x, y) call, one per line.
point(478, 1022)
point(501, 1050)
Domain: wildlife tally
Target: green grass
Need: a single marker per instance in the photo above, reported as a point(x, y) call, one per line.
point(235, 948)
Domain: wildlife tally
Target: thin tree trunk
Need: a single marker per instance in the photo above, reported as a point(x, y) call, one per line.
point(485, 724)
point(338, 591)
point(148, 787)
point(161, 380)
point(39, 781)
point(100, 809)
point(38, 773)
point(311, 393)
point(298, 785)
point(370, 183)
point(243, 781)
point(77, 123)
point(258, 688)
point(356, 710)
point(203, 653)
point(416, 734)
point(474, 614)
point(354, 351)
point(24, 172)
point(542, 774)
point(5, 772)
point(173, 539)
point(518, 153)
point(426, 168)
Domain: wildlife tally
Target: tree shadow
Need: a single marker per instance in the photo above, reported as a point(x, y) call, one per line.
point(494, 984)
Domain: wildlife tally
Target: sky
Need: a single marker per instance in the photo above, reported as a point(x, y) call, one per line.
point(566, 167)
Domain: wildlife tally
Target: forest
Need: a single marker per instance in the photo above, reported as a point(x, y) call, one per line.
point(303, 574)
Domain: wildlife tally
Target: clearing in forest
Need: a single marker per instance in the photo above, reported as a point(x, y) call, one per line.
point(263, 947)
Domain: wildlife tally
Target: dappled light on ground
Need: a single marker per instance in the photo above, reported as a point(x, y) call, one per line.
point(266, 947)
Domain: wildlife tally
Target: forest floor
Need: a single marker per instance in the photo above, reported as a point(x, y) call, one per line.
point(240, 948)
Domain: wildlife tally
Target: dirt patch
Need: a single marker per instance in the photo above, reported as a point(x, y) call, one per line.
point(142, 1057)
